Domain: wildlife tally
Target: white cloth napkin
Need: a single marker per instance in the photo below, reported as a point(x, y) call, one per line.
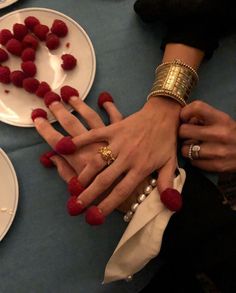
point(142, 238)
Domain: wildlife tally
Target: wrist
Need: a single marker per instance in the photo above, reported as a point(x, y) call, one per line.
point(164, 103)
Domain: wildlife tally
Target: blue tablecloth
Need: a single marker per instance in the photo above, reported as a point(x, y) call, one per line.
point(46, 250)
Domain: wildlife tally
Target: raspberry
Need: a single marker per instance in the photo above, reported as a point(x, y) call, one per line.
point(75, 187)
point(74, 207)
point(31, 22)
point(94, 216)
point(172, 199)
point(5, 36)
point(41, 31)
point(5, 74)
point(14, 47)
point(20, 31)
point(59, 28)
point(17, 78)
point(42, 89)
point(69, 62)
point(52, 41)
point(39, 113)
point(45, 158)
point(30, 84)
point(65, 146)
point(51, 97)
point(28, 54)
point(29, 68)
point(104, 97)
point(3, 55)
point(30, 41)
point(67, 92)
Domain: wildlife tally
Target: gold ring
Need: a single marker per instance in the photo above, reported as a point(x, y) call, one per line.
point(106, 154)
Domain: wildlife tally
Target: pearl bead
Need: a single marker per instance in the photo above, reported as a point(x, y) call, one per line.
point(126, 218)
point(129, 214)
point(153, 182)
point(141, 198)
point(148, 189)
point(129, 278)
point(134, 207)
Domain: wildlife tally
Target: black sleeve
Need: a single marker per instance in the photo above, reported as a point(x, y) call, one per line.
point(197, 23)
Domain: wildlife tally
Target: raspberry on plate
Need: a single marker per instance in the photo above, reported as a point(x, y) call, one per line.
point(28, 54)
point(43, 89)
point(67, 92)
point(3, 55)
point(30, 84)
point(30, 41)
point(19, 31)
point(69, 62)
point(41, 31)
point(59, 28)
point(36, 113)
point(5, 36)
point(29, 68)
point(31, 22)
point(5, 74)
point(14, 47)
point(51, 97)
point(17, 78)
point(52, 41)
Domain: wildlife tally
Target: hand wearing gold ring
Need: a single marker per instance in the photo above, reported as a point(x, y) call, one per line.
point(214, 131)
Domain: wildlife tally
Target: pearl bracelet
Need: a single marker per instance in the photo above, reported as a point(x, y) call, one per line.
point(141, 197)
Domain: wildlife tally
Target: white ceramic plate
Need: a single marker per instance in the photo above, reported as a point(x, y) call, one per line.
point(9, 193)
point(5, 3)
point(16, 105)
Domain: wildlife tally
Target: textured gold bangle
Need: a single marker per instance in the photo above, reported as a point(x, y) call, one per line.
point(174, 80)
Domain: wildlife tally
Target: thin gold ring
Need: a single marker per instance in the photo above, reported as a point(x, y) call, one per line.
point(106, 154)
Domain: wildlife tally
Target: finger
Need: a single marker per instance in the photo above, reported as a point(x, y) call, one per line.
point(92, 119)
point(67, 120)
point(197, 132)
point(92, 136)
point(65, 171)
point(208, 165)
point(46, 130)
point(101, 183)
point(112, 111)
point(200, 111)
point(120, 193)
point(166, 176)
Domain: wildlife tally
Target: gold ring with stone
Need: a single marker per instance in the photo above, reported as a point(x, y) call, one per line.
point(106, 154)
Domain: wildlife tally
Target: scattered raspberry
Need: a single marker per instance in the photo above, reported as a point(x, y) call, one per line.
point(30, 84)
point(74, 207)
point(31, 22)
point(51, 97)
point(69, 61)
point(94, 216)
point(75, 187)
point(29, 68)
point(6, 91)
point(45, 159)
point(28, 54)
point(59, 28)
point(20, 31)
point(67, 92)
point(17, 78)
point(52, 42)
point(3, 55)
point(14, 47)
point(43, 89)
point(65, 146)
point(104, 97)
point(68, 45)
point(30, 41)
point(38, 113)
point(172, 199)
point(41, 31)
point(5, 74)
point(5, 36)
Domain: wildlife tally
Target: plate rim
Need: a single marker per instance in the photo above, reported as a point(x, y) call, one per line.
point(6, 4)
point(9, 122)
point(13, 172)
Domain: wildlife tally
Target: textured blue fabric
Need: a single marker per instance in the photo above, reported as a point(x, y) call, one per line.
point(46, 250)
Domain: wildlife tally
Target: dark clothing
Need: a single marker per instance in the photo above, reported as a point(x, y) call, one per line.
point(197, 23)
